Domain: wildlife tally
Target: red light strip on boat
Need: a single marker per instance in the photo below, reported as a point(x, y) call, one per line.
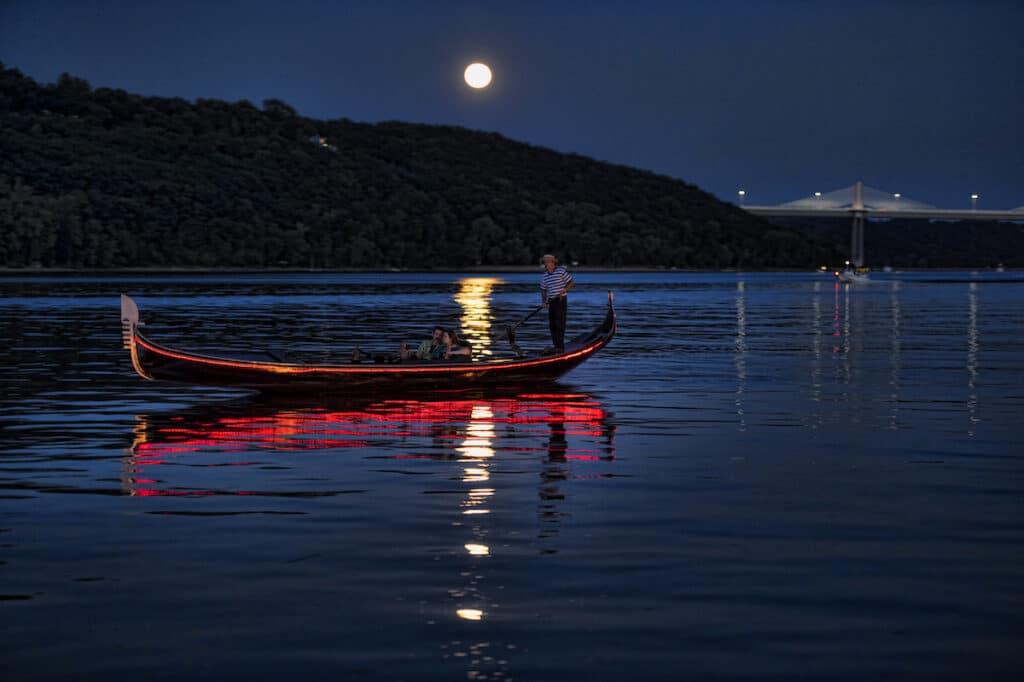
point(300, 369)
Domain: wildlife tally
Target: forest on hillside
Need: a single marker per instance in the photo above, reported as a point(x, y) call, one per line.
point(101, 178)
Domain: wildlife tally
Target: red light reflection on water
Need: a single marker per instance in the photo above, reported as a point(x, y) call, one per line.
point(204, 440)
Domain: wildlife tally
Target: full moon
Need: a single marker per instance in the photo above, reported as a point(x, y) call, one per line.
point(477, 75)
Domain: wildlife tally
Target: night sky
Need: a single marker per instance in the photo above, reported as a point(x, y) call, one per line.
point(779, 98)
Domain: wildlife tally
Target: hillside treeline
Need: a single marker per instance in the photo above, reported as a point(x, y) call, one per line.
point(100, 178)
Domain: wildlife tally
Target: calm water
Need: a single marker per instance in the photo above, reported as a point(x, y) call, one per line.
point(763, 477)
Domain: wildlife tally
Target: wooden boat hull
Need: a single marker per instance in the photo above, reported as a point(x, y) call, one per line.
point(156, 362)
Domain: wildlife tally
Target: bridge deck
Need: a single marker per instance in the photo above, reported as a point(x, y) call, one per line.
point(934, 213)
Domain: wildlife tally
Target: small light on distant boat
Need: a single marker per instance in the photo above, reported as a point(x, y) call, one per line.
point(470, 614)
point(478, 550)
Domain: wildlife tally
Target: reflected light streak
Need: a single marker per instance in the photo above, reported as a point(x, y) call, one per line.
point(477, 497)
point(846, 325)
point(841, 333)
point(475, 475)
point(835, 320)
point(477, 452)
point(972, 356)
point(476, 448)
point(894, 357)
point(816, 343)
point(475, 298)
point(479, 434)
point(741, 352)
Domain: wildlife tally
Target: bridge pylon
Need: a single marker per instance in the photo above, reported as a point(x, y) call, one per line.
point(857, 228)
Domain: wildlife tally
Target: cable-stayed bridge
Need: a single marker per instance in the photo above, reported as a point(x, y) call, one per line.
point(859, 202)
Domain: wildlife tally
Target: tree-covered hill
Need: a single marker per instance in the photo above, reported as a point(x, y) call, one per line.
point(100, 178)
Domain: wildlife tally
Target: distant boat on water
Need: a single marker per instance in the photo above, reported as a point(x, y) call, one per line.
point(852, 275)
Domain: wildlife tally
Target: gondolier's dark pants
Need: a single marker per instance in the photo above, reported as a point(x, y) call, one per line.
point(557, 309)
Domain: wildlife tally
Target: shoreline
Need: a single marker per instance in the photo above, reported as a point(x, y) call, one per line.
point(503, 269)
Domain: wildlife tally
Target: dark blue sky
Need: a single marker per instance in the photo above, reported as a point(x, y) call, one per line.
point(780, 98)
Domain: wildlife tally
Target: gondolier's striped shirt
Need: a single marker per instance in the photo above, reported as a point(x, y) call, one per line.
point(552, 283)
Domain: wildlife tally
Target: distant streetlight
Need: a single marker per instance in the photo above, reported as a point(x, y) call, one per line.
point(817, 195)
point(974, 202)
point(897, 196)
point(743, 195)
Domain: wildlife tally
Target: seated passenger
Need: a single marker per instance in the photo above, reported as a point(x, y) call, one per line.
point(451, 345)
point(426, 348)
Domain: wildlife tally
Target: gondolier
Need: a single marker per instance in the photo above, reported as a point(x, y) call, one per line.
point(554, 289)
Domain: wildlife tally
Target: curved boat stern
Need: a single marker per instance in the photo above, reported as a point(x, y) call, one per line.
point(129, 322)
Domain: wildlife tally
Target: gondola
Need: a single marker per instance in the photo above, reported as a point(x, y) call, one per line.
point(266, 374)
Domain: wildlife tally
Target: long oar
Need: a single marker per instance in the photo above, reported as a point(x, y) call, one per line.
point(510, 330)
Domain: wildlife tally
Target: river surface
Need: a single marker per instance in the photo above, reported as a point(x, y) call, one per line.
point(763, 476)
